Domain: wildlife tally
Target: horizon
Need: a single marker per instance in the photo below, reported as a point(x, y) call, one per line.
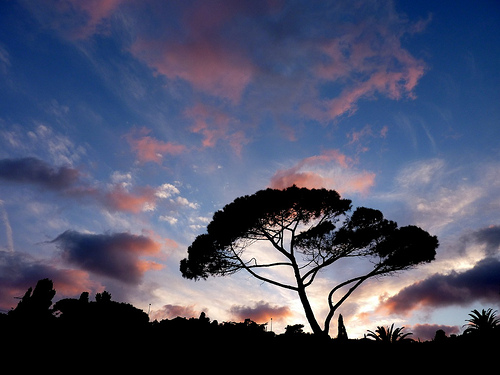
point(125, 125)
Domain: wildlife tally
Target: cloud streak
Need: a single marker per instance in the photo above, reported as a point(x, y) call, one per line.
point(36, 172)
point(331, 170)
point(8, 228)
point(66, 181)
point(438, 195)
point(260, 312)
point(253, 58)
point(149, 149)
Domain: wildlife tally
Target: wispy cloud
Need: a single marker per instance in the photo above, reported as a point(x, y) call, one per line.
point(74, 19)
point(149, 149)
point(202, 51)
point(258, 56)
point(215, 125)
point(8, 229)
point(331, 169)
point(121, 195)
point(437, 194)
point(120, 199)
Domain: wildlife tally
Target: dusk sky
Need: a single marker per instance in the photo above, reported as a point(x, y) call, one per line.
point(125, 124)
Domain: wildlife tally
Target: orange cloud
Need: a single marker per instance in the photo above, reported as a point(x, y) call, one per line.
point(260, 312)
point(331, 170)
point(119, 199)
point(148, 148)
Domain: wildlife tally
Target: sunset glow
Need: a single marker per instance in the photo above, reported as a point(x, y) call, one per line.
point(125, 124)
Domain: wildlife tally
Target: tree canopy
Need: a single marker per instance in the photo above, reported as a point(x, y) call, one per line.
point(309, 230)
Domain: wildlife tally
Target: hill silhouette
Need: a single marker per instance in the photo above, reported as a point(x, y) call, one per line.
point(80, 330)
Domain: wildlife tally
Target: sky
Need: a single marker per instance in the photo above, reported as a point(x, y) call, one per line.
point(125, 124)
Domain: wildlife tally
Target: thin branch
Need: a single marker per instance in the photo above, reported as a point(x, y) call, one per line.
point(257, 276)
point(270, 265)
point(359, 280)
point(314, 271)
point(270, 281)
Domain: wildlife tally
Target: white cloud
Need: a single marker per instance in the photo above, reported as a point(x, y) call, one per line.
point(420, 173)
point(123, 179)
point(439, 196)
point(166, 191)
point(8, 227)
point(181, 201)
point(169, 219)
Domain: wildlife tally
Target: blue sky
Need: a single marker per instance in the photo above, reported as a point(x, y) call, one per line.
point(125, 124)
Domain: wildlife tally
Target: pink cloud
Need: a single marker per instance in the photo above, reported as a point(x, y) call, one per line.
point(207, 67)
point(204, 56)
point(361, 139)
point(119, 199)
point(75, 19)
point(260, 312)
point(96, 11)
point(331, 169)
point(149, 149)
point(215, 125)
point(230, 48)
point(19, 271)
point(172, 311)
point(368, 59)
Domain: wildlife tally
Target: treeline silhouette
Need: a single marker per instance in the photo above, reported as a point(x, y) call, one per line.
point(75, 327)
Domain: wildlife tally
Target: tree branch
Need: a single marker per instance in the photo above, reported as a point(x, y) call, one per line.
point(359, 280)
point(270, 265)
point(257, 276)
point(314, 271)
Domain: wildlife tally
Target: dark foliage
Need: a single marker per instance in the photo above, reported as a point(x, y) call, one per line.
point(118, 335)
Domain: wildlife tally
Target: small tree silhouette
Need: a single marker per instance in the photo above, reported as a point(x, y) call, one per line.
point(36, 303)
point(341, 331)
point(389, 335)
point(483, 323)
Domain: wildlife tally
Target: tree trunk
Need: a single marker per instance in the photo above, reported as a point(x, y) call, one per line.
point(309, 312)
point(301, 290)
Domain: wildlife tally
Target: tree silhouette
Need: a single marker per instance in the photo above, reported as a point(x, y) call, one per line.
point(341, 331)
point(103, 297)
point(307, 230)
point(35, 304)
point(102, 314)
point(483, 323)
point(389, 335)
